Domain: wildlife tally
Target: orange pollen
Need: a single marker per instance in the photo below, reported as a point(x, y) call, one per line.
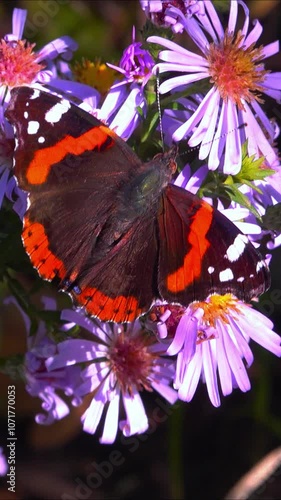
point(218, 307)
point(236, 71)
point(18, 64)
point(131, 362)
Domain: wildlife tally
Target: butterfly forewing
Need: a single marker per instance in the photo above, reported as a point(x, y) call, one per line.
point(61, 145)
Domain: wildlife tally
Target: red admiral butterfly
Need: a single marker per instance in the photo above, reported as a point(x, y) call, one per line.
point(113, 231)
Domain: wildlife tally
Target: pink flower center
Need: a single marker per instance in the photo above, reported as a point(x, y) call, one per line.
point(172, 321)
point(131, 361)
point(235, 70)
point(18, 64)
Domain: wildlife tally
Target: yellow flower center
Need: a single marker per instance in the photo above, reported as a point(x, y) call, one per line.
point(218, 307)
point(235, 70)
point(18, 64)
point(96, 74)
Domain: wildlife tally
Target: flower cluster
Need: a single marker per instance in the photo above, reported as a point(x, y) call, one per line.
point(213, 101)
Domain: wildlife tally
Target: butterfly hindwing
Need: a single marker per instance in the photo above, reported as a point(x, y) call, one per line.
point(123, 284)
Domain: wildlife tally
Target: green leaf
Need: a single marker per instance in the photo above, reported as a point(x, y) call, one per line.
point(152, 124)
point(252, 169)
point(240, 198)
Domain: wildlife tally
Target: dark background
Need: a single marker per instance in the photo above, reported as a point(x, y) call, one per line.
point(192, 451)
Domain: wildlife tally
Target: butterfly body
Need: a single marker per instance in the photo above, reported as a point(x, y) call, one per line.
point(113, 231)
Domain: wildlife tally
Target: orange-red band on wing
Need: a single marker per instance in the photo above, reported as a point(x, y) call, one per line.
point(191, 268)
point(119, 309)
point(36, 244)
point(39, 168)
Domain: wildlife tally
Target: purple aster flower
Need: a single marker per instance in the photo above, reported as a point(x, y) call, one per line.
point(122, 361)
point(211, 342)
point(19, 65)
point(165, 12)
point(43, 384)
point(39, 381)
point(230, 112)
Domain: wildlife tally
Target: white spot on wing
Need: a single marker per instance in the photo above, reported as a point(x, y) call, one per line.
point(241, 279)
point(235, 250)
point(226, 275)
point(55, 113)
point(33, 127)
point(260, 265)
point(41, 139)
point(25, 114)
point(211, 269)
point(36, 93)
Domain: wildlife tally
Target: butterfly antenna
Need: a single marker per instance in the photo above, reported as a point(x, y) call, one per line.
point(159, 109)
point(196, 148)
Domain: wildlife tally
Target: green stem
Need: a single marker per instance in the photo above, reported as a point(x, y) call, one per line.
point(176, 460)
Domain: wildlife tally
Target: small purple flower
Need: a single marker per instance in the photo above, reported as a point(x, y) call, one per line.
point(136, 64)
point(122, 361)
point(230, 112)
point(211, 343)
point(120, 108)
